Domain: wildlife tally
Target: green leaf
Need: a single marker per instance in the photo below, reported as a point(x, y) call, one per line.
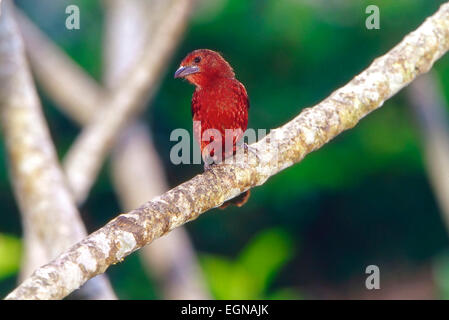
point(286, 294)
point(251, 274)
point(242, 285)
point(264, 256)
point(217, 271)
point(229, 280)
point(10, 251)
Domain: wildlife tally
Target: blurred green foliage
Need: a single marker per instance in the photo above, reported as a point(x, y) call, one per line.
point(251, 274)
point(10, 253)
point(364, 198)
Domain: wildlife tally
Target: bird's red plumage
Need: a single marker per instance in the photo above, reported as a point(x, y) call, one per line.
point(219, 102)
point(221, 105)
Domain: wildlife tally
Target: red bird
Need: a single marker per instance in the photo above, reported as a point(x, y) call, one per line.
point(219, 102)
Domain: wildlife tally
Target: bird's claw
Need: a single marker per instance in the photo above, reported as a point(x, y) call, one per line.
point(254, 151)
point(208, 167)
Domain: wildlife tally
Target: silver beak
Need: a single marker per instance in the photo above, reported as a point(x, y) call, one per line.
point(185, 71)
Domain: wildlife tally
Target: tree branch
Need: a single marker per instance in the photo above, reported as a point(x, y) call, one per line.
point(84, 159)
point(283, 147)
point(137, 172)
point(138, 176)
point(73, 90)
point(50, 219)
point(135, 149)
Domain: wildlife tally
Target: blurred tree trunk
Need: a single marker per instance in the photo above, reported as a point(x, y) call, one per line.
point(431, 113)
point(51, 221)
point(283, 147)
point(136, 169)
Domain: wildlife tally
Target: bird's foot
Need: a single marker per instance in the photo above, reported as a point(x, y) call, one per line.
point(208, 166)
point(254, 151)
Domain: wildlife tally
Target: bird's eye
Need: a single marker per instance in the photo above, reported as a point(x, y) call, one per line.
point(197, 59)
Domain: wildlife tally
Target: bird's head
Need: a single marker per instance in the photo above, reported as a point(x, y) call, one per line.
point(203, 66)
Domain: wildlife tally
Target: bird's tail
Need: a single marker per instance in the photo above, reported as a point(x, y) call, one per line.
point(238, 201)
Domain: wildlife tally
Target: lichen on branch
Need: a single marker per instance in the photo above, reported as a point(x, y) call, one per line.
point(283, 147)
point(51, 221)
